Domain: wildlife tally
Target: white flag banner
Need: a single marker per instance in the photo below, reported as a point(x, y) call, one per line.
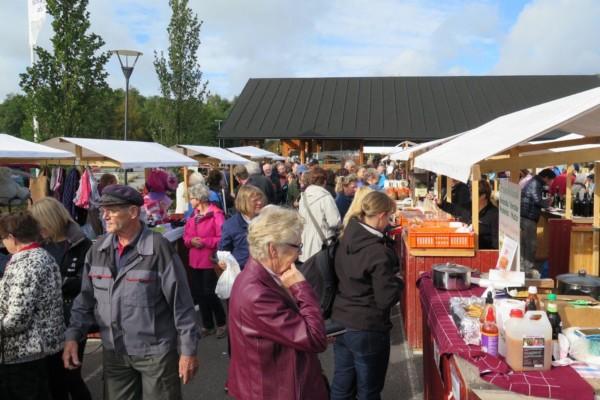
point(37, 15)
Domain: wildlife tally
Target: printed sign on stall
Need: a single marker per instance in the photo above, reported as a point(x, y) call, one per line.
point(509, 210)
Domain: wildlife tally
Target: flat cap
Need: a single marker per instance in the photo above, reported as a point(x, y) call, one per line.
point(113, 195)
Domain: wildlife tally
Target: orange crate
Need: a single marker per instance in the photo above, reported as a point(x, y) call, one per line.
point(440, 238)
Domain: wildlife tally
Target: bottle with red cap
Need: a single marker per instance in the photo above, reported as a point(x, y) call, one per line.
point(489, 332)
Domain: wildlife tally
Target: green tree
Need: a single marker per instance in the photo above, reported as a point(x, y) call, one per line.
point(180, 76)
point(65, 87)
point(12, 114)
point(214, 112)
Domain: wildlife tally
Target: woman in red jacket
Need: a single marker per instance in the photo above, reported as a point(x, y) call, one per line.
point(202, 235)
point(275, 324)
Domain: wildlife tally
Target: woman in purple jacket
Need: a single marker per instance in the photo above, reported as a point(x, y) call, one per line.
point(275, 323)
point(201, 235)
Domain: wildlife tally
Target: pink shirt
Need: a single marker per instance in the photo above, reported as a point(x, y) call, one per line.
point(208, 228)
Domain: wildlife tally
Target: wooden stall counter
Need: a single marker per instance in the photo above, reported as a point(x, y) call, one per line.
point(416, 261)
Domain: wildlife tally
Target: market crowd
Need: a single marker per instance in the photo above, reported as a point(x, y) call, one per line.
point(113, 272)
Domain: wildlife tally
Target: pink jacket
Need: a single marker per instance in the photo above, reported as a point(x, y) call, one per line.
point(208, 229)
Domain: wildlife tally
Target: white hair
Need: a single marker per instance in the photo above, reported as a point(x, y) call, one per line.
point(200, 192)
point(253, 168)
point(275, 225)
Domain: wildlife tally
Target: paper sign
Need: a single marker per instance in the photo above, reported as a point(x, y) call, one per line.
point(507, 253)
point(509, 210)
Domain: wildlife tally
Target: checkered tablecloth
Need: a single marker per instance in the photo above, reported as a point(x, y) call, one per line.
point(558, 383)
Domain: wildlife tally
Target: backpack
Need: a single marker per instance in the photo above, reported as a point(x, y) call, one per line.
point(319, 269)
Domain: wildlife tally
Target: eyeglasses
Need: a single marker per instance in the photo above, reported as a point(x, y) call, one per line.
point(296, 246)
point(111, 210)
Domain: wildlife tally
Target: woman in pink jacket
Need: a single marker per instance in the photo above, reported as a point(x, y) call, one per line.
point(202, 235)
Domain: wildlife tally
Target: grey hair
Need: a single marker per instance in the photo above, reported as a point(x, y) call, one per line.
point(253, 168)
point(275, 225)
point(371, 173)
point(200, 192)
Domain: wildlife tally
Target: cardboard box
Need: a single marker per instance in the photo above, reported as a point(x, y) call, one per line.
point(583, 317)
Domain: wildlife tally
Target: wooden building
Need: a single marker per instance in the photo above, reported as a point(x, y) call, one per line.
point(319, 115)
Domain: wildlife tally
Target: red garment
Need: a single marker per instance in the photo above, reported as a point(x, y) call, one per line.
point(208, 228)
point(274, 339)
point(559, 184)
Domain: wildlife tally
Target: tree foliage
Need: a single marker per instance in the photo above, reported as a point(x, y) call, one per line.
point(64, 87)
point(180, 76)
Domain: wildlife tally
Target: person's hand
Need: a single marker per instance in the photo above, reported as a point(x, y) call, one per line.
point(188, 365)
point(70, 355)
point(222, 265)
point(197, 242)
point(291, 277)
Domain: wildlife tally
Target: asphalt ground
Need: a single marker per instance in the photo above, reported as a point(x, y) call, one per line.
point(404, 379)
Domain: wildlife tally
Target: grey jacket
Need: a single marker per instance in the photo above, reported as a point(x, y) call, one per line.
point(143, 308)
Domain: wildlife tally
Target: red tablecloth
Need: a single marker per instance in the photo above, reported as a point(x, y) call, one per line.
point(558, 383)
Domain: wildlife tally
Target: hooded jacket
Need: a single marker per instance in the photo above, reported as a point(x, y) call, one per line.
point(366, 267)
point(234, 238)
point(208, 228)
point(323, 208)
point(531, 199)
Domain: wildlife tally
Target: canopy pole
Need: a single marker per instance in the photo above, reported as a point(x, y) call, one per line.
point(78, 155)
point(302, 151)
point(596, 225)
point(514, 171)
point(438, 185)
point(476, 177)
point(449, 190)
point(361, 153)
point(569, 194)
point(231, 180)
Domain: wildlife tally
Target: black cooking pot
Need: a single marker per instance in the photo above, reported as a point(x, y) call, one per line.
point(578, 284)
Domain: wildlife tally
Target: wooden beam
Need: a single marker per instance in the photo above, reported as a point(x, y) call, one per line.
point(302, 151)
point(541, 160)
point(557, 144)
point(476, 177)
point(569, 194)
point(438, 185)
point(361, 154)
point(514, 171)
point(231, 180)
point(596, 224)
point(78, 155)
point(449, 189)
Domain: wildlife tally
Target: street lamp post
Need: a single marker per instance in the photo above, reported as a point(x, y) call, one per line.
point(127, 59)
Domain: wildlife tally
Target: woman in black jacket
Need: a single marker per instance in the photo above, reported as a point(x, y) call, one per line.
point(368, 287)
point(65, 241)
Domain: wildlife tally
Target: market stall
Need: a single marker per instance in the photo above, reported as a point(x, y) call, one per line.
point(504, 145)
point(254, 153)
point(126, 155)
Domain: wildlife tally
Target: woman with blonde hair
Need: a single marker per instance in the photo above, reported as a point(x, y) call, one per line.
point(366, 266)
point(356, 206)
point(345, 188)
point(275, 323)
point(65, 241)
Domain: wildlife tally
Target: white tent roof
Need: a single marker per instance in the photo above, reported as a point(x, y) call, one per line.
point(128, 154)
point(255, 152)
point(578, 113)
point(404, 155)
point(383, 150)
point(18, 149)
point(223, 155)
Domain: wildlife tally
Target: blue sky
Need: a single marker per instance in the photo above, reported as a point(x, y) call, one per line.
point(286, 38)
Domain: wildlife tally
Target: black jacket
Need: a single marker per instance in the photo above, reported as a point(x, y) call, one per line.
point(71, 264)
point(460, 207)
point(531, 199)
point(488, 227)
point(264, 184)
point(366, 266)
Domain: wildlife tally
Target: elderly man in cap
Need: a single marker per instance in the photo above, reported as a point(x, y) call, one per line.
point(135, 289)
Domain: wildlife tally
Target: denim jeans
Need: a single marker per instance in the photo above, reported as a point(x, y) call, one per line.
point(361, 361)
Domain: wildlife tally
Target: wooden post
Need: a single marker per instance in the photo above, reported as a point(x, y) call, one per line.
point(476, 177)
point(78, 155)
point(596, 225)
point(569, 194)
point(361, 154)
point(302, 151)
point(231, 180)
point(514, 172)
point(448, 189)
point(438, 185)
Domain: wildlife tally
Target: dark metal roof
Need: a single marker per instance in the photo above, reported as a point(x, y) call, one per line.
point(387, 108)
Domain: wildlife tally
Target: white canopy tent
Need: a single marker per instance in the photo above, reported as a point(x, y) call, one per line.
point(256, 153)
point(578, 113)
point(224, 156)
point(13, 149)
point(405, 154)
point(383, 150)
point(117, 153)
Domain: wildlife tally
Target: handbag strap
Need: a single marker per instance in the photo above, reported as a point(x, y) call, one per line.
point(314, 220)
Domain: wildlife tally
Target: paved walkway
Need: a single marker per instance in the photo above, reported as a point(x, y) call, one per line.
point(404, 378)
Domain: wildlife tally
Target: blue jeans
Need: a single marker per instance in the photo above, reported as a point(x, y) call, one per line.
point(361, 361)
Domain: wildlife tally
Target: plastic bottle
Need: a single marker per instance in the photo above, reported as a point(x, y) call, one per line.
point(555, 323)
point(533, 301)
point(489, 333)
point(489, 304)
point(529, 341)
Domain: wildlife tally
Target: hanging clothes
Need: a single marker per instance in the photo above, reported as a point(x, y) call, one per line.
point(57, 182)
point(70, 189)
point(82, 197)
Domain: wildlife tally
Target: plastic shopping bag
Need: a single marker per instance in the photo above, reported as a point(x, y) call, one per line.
point(225, 282)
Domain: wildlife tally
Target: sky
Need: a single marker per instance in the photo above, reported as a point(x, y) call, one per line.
point(244, 39)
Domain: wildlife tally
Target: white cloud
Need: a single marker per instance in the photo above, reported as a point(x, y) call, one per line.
point(553, 37)
point(282, 38)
